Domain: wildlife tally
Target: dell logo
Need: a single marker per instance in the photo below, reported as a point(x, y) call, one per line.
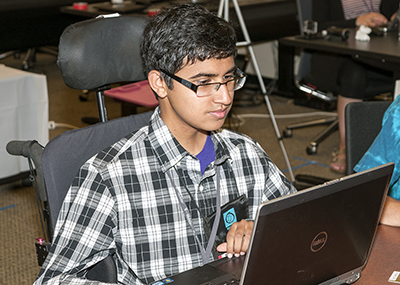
point(319, 241)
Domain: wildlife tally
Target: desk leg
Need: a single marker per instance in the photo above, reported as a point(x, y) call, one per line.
point(286, 70)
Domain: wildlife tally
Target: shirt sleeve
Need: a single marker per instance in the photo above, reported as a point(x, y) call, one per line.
point(83, 234)
point(385, 148)
point(276, 184)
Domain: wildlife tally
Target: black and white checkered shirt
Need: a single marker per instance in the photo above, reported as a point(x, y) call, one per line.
point(123, 203)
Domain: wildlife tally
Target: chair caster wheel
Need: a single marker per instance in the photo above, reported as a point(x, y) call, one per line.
point(83, 98)
point(25, 66)
point(311, 149)
point(287, 133)
point(26, 182)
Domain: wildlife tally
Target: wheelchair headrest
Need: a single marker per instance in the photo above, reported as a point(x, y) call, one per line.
point(101, 51)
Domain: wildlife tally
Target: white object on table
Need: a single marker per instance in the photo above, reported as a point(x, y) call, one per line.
point(362, 33)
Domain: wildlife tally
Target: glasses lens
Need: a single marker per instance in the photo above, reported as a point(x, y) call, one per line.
point(206, 90)
point(232, 85)
point(239, 82)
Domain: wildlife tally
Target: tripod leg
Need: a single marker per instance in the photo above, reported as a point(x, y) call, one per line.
point(248, 44)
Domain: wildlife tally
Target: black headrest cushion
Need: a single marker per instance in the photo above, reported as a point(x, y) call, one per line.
point(101, 51)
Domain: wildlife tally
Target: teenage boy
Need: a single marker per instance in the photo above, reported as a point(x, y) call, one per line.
point(144, 199)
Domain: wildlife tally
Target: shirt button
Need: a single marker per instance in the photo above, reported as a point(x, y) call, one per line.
point(201, 188)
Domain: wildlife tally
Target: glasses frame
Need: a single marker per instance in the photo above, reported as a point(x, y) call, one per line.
point(238, 74)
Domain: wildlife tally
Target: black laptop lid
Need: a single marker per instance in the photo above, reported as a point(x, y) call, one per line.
point(319, 235)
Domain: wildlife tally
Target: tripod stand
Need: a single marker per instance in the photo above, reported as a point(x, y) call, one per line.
point(224, 7)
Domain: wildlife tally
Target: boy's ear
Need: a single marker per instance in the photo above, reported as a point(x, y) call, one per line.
point(157, 83)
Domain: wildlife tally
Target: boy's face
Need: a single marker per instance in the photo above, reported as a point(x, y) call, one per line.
point(183, 111)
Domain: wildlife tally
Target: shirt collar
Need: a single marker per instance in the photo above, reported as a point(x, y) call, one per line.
point(168, 150)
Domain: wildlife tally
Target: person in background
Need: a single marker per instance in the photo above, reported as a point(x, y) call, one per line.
point(351, 79)
point(385, 149)
point(144, 199)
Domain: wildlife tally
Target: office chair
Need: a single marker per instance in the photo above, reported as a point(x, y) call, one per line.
point(58, 163)
point(363, 124)
point(304, 8)
point(96, 53)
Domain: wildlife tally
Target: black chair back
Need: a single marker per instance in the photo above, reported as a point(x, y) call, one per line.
point(363, 124)
point(65, 154)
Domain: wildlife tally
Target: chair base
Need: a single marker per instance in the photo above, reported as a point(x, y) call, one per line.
point(312, 148)
point(31, 56)
point(15, 53)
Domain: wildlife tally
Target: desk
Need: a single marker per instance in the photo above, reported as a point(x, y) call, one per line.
point(383, 52)
point(384, 258)
point(24, 115)
point(265, 20)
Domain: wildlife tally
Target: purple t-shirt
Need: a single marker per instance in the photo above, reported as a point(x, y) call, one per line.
point(207, 155)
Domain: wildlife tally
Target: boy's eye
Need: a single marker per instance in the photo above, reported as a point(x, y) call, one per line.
point(229, 77)
point(203, 81)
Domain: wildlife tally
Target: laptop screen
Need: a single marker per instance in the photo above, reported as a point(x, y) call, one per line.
point(319, 234)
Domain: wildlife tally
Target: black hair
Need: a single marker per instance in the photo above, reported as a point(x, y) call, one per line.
point(183, 34)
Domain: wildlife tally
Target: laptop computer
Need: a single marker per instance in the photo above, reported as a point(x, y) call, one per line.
point(320, 235)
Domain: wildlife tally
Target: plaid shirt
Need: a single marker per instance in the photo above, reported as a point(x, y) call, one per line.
point(123, 203)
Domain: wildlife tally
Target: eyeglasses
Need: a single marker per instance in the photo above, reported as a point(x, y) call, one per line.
point(235, 82)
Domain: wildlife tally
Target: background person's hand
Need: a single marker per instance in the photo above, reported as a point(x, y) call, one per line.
point(371, 20)
point(237, 239)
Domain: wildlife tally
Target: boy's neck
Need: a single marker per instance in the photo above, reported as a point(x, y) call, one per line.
point(193, 142)
point(190, 139)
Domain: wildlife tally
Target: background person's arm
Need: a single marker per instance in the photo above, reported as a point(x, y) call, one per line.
point(391, 212)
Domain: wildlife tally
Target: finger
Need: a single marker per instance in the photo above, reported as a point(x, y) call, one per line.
point(371, 20)
point(247, 238)
point(239, 235)
point(379, 21)
point(378, 18)
point(230, 240)
point(222, 247)
point(241, 245)
point(371, 23)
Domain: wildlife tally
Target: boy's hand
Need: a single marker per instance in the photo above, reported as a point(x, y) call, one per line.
point(237, 239)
